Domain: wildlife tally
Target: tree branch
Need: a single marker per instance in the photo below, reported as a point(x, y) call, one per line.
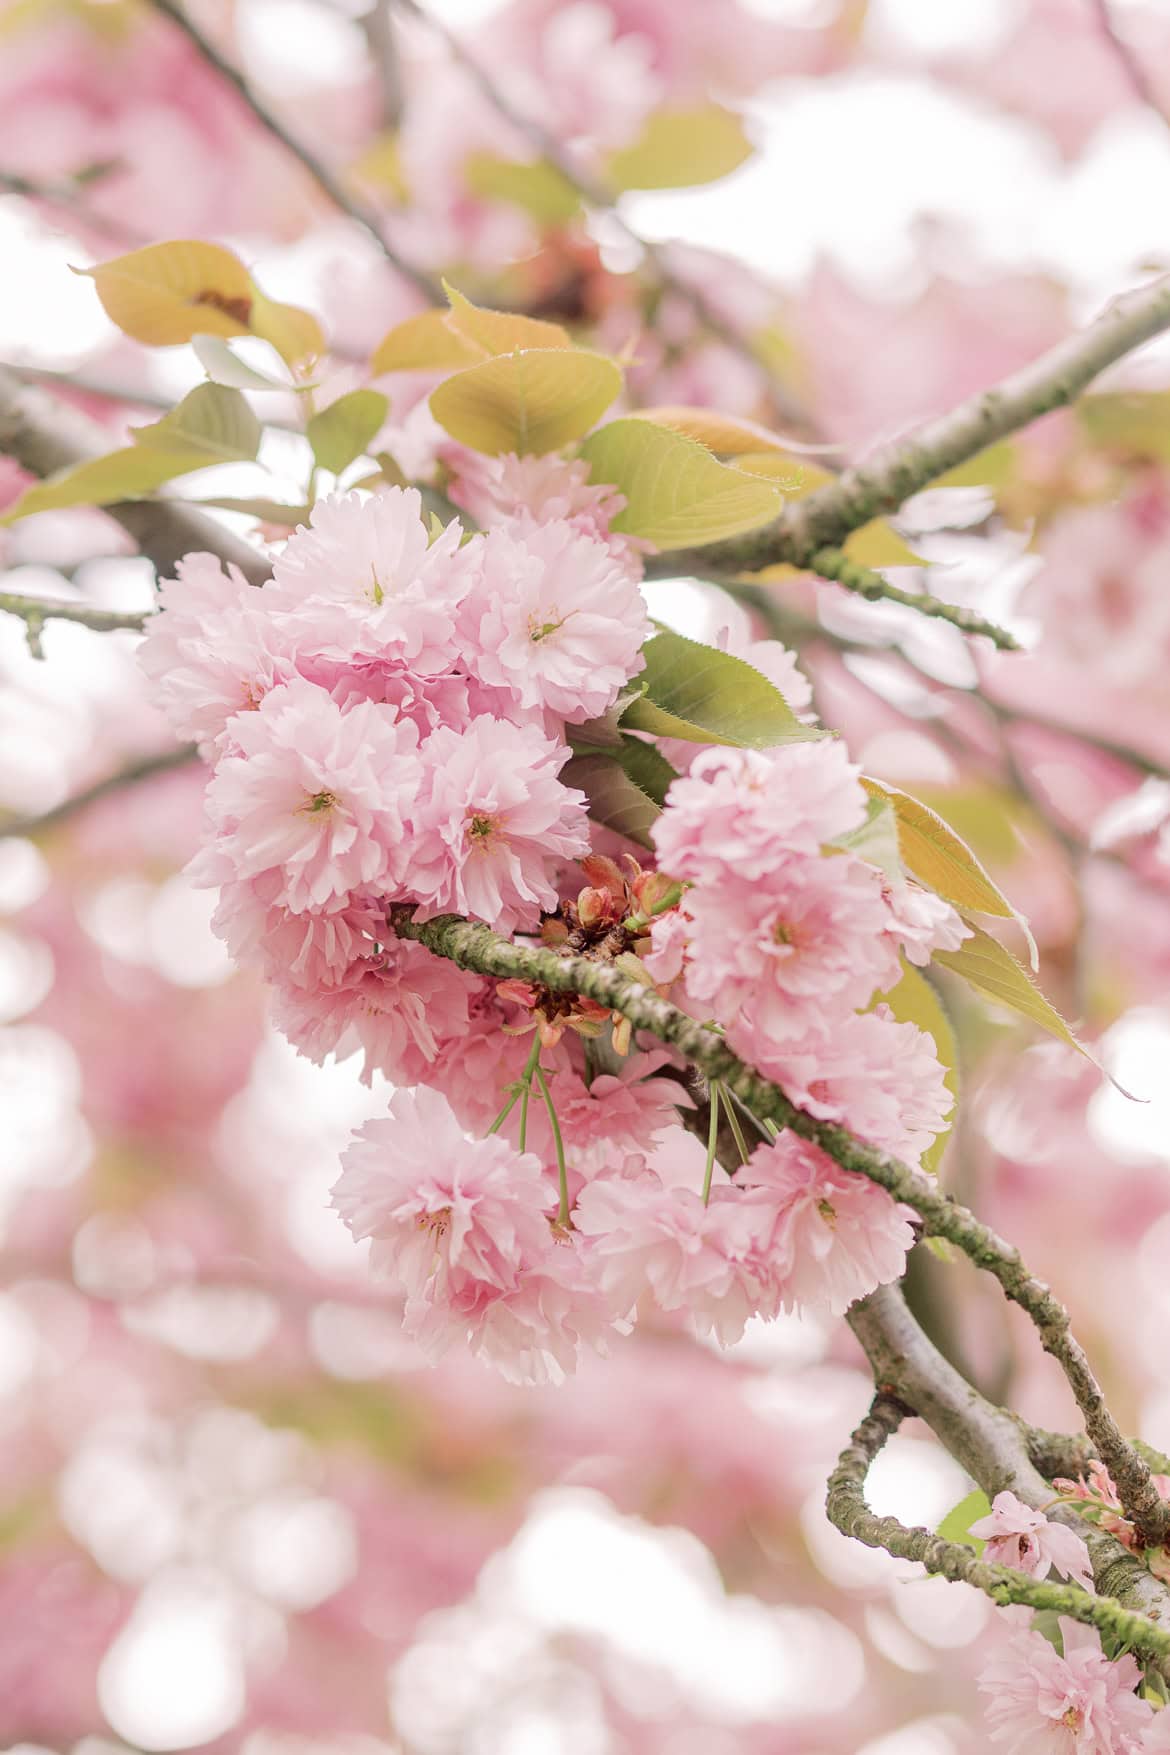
point(144, 769)
point(44, 435)
point(35, 611)
point(848, 1511)
point(330, 185)
point(835, 565)
point(476, 947)
point(903, 468)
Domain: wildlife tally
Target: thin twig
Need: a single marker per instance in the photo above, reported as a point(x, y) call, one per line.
point(595, 193)
point(144, 769)
point(35, 611)
point(477, 948)
point(70, 198)
point(330, 185)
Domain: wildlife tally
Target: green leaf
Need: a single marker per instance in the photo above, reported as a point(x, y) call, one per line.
point(130, 474)
point(346, 428)
point(956, 1525)
point(989, 966)
point(647, 767)
point(211, 425)
point(915, 1001)
point(677, 494)
point(702, 695)
point(537, 186)
point(615, 799)
point(216, 424)
point(533, 400)
point(680, 148)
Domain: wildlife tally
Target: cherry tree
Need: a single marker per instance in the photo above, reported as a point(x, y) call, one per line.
point(694, 750)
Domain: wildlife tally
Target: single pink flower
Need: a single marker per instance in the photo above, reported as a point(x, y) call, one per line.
point(364, 581)
point(737, 812)
point(493, 823)
point(1040, 1703)
point(923, 923)
point(554, 620)
point(319, 795)
point(840, 1234)
point(1024, 1539)
point(447, 1215)
point(788, 952)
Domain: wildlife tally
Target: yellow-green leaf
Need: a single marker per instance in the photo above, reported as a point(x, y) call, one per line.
point(536, 186)
point(346, 428)
point(990, 468)
point(425, 343)
point(120, 475)
point(1133, 422)
point(703, 695)
point(956, 1525)
point(680, 148)
point(213, 422)
point(728, 435)
point(380, 165)
point(879, 545)
point(990, 967)
point(268, 511)
point(914, 1001)
point(494, 332)
point(533, 400)
point(294, 333)
point(677, 494)
point(794, 476)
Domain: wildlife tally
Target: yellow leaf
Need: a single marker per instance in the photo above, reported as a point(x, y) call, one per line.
point(425, 343)
point(794, 476)
point(725, 434)
point(495, 332)
point(938, 857)
point(879, 545)
point(680, 148)
point(990, 966)
point(533, 400)
point(380, 165)
point(166, 293)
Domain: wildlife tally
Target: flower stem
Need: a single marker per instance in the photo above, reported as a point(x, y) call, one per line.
point(522, 1084)
point(737, 1130)
point(558, 1142)
point(712, 1139)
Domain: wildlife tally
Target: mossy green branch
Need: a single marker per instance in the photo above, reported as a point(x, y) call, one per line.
point(849, 1512)
point(478, 948)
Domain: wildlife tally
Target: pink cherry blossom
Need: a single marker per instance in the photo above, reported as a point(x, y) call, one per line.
point(214, 651)
point(738, 812)
point(398, 1006)
point(317, 794)
point(555, 620)
point(923, 923)
point(842, 1234)
point(1040, 1703)
point(778, 956)
point(1157, 1737)
point(661, 1243)
point(1024, 1539)
point(879, 1078)
point(447, 1215)
point(492, 822)
point(496, 491)
point(365, 580)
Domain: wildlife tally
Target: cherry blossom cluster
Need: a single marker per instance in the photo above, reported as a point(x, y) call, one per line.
point(388, 722)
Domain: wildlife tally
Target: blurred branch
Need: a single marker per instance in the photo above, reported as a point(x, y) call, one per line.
point(848, 1511)
point(1130, 62)
point(602, 199)
point(330, 185)
point(484, 952)
point(144, 769)
point(904, 467)
point(44, 435)
point(70, 197)
point(36, 611)
point(378, 24)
